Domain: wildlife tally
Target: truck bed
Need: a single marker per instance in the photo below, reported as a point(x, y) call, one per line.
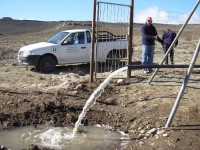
point(105, 36)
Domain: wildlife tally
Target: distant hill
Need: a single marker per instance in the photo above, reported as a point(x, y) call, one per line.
point(6, 18)
point(9, 26)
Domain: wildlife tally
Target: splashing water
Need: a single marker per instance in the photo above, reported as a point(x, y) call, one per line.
point(59, 138)
point(91, 101)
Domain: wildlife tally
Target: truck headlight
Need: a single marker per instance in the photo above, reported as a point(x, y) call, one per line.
point(21, 53)
point(26, 53)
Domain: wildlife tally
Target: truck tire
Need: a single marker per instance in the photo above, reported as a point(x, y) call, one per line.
point(47, 64)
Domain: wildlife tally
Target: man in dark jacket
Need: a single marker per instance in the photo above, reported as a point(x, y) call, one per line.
point(167, 38)
point(149, 35)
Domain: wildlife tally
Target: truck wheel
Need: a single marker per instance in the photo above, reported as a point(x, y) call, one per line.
point(47, 64)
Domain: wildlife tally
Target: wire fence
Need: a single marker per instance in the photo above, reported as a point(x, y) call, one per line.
point(164, 16)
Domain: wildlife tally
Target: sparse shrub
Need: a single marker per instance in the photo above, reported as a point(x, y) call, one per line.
point(7, 53)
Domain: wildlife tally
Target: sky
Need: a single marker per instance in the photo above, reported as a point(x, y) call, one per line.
point(170, 11)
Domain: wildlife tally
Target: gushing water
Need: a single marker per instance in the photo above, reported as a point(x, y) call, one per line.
point(91, 101)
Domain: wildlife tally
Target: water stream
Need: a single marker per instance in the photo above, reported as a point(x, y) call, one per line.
point(91, 101)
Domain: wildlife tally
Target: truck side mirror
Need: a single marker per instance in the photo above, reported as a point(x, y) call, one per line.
point(66, 43)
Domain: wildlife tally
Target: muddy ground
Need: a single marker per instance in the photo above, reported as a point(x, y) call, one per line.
point(28, 97)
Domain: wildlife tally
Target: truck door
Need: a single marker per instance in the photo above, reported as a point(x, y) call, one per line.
point(74, 49)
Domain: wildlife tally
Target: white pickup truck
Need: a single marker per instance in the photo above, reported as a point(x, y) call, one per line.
point(70, 47)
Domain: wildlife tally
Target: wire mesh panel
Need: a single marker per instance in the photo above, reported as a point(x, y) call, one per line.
point(111, 38)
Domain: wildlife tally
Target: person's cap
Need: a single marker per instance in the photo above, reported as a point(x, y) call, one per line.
point(149, 19)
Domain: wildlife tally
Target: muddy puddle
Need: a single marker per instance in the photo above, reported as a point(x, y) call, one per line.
point(90, 137)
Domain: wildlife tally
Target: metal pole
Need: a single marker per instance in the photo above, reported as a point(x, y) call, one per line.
point(176, 38)
point(160, 66)
point(96, 47)
point(130, 41)
point(92, 43)
point(178, 99)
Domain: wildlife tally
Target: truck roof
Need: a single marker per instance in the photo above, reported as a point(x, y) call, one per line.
point(76, 30)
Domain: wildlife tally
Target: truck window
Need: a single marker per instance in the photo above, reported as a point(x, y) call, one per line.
point(88, 36)
point(81, 38)
point(75, 38)
point(58, 37)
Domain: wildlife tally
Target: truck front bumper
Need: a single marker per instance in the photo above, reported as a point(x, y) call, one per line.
point(29, 60)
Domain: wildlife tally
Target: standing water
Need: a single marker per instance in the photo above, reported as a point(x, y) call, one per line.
point(91, 101)
point(59, 138)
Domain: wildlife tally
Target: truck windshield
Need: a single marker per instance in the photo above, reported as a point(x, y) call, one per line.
point(58, 37)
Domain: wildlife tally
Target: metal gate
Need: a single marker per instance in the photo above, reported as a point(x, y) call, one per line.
point(111, 33)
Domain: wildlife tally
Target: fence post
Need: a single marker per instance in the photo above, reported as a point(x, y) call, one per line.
point(130, 41)
point(92, 43)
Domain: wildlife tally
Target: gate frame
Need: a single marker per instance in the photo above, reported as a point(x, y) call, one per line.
point(130, 39)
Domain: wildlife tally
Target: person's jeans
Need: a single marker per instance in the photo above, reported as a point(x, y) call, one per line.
point(166, 47)
point(147, 55)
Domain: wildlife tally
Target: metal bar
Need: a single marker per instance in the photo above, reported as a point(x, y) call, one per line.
point(176, 38)
point(187, 76)
point(160, 66)
point(96, 47)
point(130, 41)
point(92, 42)
point(113, 4)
